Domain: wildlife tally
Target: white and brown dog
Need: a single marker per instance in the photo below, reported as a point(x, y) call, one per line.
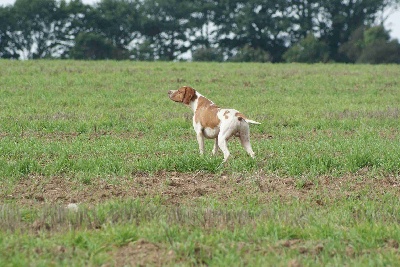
point(213, 122)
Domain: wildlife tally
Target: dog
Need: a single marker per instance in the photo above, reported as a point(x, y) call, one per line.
point(212, 122)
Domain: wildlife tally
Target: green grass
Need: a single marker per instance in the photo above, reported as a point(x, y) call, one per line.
point(115, 118)
point(88, 121)
point(354, 233)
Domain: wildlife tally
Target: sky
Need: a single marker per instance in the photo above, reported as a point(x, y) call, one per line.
point(392, 23)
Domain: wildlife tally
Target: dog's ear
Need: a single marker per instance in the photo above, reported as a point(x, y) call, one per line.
point(189, 94)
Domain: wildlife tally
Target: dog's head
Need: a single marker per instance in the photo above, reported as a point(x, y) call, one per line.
point(184, 95)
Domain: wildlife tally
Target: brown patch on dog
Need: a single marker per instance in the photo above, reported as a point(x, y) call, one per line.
point(240, 116)
point(189, 94)
point(206, 113)
point(225, 114)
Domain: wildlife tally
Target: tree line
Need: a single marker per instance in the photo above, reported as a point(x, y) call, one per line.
point(310, 31)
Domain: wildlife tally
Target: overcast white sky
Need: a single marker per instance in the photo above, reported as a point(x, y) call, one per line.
point(393, 22)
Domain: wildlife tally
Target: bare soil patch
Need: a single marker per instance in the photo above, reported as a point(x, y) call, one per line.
point(182, 188)
point(142, 253)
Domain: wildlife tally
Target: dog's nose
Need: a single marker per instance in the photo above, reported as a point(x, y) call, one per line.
point(170, 92)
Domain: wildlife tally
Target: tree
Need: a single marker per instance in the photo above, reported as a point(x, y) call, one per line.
point(236, 30)
point(344, 17)
point(207, 54)
point(377, 47)
point(202, 32)
point(92, 46)
point(8, 48)
point(308, 50)
point(118, 21)
point(381, 52)
point(352, 49)
point(371, 45)
point(143, 52)
point(44, 28)
point(249, 54)
point(165, 27)
point(258, 24)
point(304, 19)
point(78, 17)
point(35, 28)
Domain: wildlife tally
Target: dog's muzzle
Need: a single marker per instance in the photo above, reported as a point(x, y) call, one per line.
point(170, 93)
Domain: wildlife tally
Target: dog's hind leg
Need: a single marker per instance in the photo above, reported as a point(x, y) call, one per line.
point(200, 140)
point(245, 138)
point(215, 148)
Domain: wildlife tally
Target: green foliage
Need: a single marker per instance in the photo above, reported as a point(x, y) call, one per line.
point(118, 20)
point(207, 54)
point(143, 52)
point(345, 17)
point(378, 47)
point(308, 50)
point(166, 30)
point(7, 23)
point(166, 25)
point(353, 48)
point(246, 25)
point(249, 54)
point(371, 45)
point(34, 21)
point(373, 34)
point(381, 52)
point(92, 46)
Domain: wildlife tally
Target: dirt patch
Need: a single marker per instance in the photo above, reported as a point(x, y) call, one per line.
point(141, 253)
point(36, 190)
point(180, 188)
point(174, 188)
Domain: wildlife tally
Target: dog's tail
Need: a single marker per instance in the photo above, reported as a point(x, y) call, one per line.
point(240, 117)
point(251, 121)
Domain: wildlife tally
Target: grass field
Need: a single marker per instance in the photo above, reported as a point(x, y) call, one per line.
point(324, 188)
